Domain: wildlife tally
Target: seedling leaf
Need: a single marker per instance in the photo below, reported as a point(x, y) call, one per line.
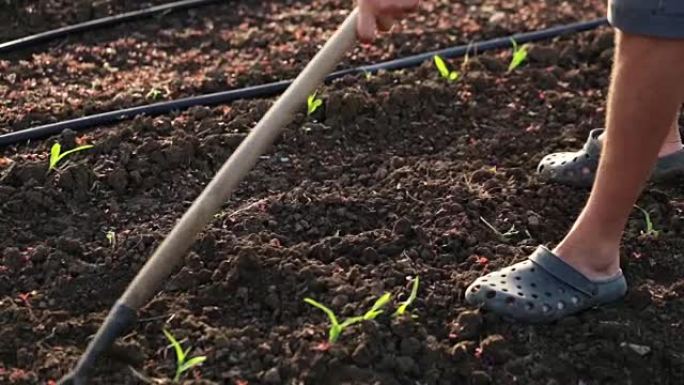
point(313, 103)
point(650, 229)
point(519, 56)
point(153, 94)
point(412, 297)
point(441, 66)
point(56, 155)
point(350, 321)
point(335, 327)
point(111, 238)
point(79, 148)
point(466, 58)
point(181, 364)
point(444, 70)
point(180, 354)
point(325, 309)
point(377, 306)
point(194, 361)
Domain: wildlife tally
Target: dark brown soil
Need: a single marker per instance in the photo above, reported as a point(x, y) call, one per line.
point(389, 182)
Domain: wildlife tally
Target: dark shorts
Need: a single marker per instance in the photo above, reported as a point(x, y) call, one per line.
point(657, 18)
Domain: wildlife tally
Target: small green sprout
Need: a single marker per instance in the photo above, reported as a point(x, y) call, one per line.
point(650, 229)
point(519, 55)
point(444, 69)
point(182, 363)
point(376, 310)
point(111, 238)
point(313, 103)
point(412, 297)
point(336, 327)
point(503, 236)
point(56, 153)
point(466, 58)
point(367, 74)
point(153, 94)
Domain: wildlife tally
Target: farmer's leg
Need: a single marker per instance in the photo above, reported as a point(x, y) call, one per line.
point(584, 270)
point(579, 168)
point(646, 93)
point(672, 143)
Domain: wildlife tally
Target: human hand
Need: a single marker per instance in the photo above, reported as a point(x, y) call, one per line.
point(380, 15)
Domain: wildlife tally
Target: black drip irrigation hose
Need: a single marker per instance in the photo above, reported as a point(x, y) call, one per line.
point(32, 40)
point(275, 88)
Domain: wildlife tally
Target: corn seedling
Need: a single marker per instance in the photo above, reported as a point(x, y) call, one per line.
point(56, 153)
point(336, 327)
point(376, 310)
point(412, 297)
point(650, 229)
point(503, 236)
point(183, 364)
point(313, 103)
point(444, 70)
point(111, 238)
point(519, 55)
point(154, 94)
point(466, 58)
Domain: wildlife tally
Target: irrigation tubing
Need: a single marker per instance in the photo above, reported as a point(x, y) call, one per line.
point(275, 88)
point(32, 40)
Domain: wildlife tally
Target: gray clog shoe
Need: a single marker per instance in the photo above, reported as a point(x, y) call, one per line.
point(542, 289)
point(579, 168)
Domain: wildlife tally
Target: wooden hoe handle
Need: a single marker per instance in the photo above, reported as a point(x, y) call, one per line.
point(171, 251)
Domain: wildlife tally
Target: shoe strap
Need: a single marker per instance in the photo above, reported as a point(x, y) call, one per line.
point(563, 272)
point(593, 145)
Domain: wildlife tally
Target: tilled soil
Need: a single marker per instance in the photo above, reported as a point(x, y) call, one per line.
point(389, 180)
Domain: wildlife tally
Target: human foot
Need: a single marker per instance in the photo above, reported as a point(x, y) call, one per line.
point(543, 288)
point(579, 168)
point(593, 262)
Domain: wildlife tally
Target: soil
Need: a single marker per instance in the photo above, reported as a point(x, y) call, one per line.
point(388, 181)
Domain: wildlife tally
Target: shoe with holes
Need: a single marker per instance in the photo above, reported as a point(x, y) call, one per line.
point(579, 168)
point(542, 289)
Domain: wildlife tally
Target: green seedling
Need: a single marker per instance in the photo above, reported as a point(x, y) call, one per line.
point(183, 364)
point(111, 238)
point(367, 74)
point(313, 103)
point(336, 327)
point(503, 236)
point(376, 310)
point(444, 70)
point(154, 94)
point(412, 297)
point(466, 58)
point(650, 229)
point(56, 153)
point(519, 55)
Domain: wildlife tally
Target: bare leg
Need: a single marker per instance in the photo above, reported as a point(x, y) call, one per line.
point(672, 143)
point(646, 92)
